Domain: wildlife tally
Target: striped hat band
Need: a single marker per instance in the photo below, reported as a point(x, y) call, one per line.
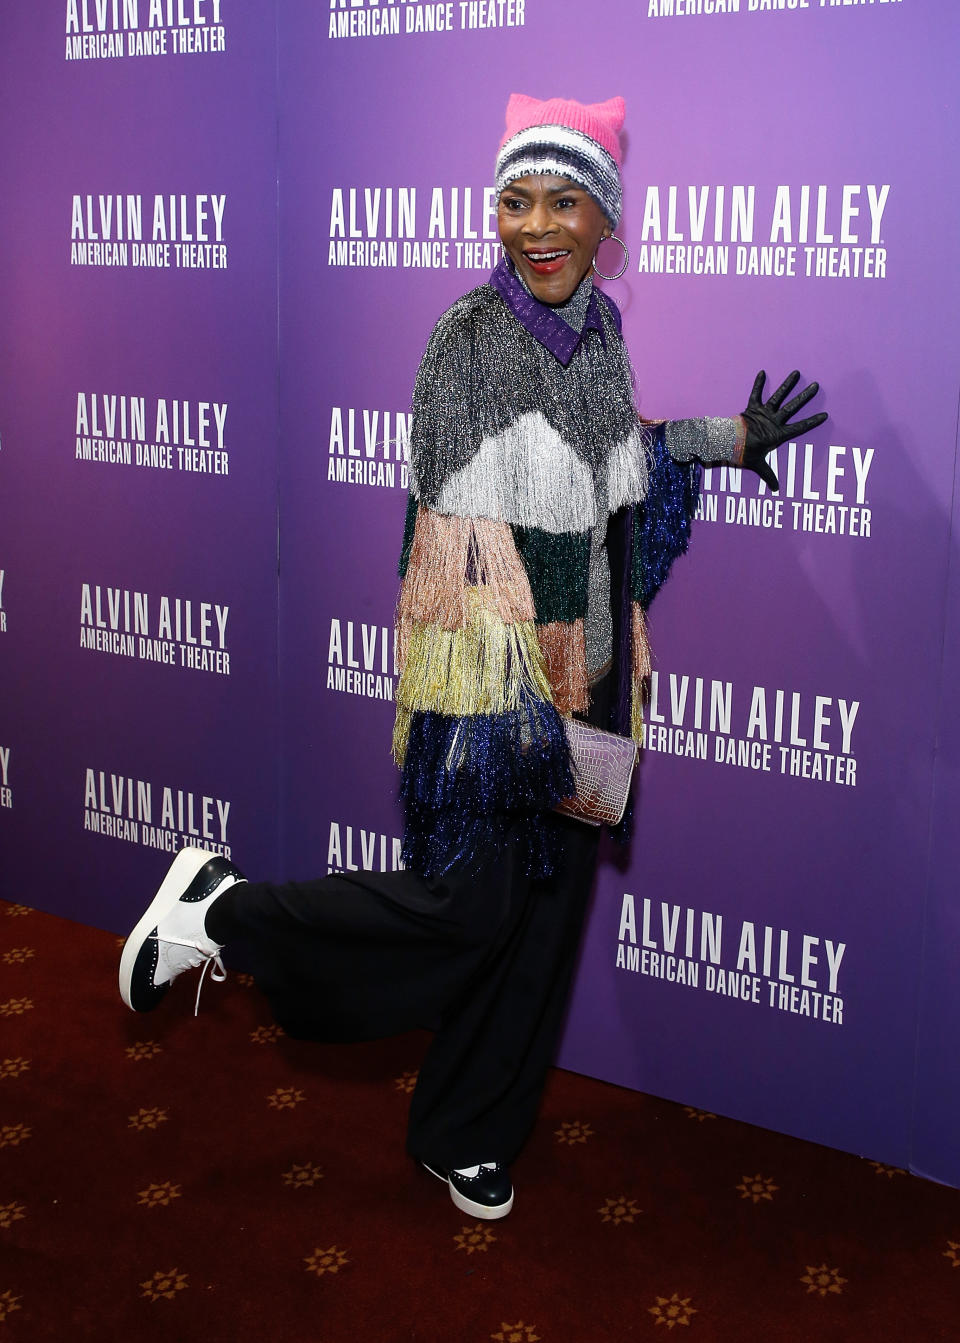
point(568, 153)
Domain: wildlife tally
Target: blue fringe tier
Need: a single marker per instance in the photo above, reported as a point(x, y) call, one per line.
point(662, 524)
point(467, 781)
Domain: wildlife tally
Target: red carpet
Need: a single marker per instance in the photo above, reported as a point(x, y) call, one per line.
point(166, 1178)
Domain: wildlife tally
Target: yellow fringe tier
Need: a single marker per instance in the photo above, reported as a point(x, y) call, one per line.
point(401, 734)
point(487, 667)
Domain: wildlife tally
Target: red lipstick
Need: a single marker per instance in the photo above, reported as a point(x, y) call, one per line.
point(551, 261)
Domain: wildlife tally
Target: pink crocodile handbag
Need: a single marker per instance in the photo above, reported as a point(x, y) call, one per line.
point(603, 764)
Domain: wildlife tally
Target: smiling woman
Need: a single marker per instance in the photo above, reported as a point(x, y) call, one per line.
point(558, 189)
point(550, 228)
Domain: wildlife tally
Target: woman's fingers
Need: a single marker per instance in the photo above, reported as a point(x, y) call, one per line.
point(785, 388)
point(803, 426)
point(799, 400)
point(756, 396)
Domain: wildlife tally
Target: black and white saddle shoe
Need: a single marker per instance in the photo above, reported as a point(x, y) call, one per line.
point(482, 1191)
point(171, 936)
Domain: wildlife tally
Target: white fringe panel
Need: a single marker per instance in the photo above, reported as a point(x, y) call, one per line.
point(628, 468)
point(526, 476)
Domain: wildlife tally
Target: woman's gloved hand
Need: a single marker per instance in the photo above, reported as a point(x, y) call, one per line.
point(767, 423)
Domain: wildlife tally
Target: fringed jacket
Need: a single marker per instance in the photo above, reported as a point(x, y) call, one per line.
point(524, 440)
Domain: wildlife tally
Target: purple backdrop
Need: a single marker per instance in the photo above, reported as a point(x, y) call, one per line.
point(762, 951)
point(128, 728)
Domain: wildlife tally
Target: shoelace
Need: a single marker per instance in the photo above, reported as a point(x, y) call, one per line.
point(204, 958)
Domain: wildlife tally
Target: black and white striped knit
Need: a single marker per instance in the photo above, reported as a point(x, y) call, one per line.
point(566, 153)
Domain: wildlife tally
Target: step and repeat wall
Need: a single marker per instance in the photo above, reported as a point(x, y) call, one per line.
point(138, 445)
point(228, 235)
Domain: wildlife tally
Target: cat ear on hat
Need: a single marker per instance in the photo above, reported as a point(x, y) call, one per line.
point(517, 106)
point(613, 112)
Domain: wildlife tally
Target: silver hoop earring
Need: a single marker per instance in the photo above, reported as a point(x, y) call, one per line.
point(626, 259)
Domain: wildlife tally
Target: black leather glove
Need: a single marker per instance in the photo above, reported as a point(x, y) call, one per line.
point(767, 423)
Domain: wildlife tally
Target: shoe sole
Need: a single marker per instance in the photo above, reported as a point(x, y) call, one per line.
point(484, 1211)
point(184, 869)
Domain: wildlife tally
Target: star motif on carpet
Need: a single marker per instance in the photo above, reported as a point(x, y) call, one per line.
point(145, 1119)
point(17, 911)
point(474, 1238)
point(673, 1310)
point(8, 1304)
point(284, 1098)
point(406, 1082)
point(823, 1280)
point(12, 1135)
point(698, 1115)
point(888, 1171)
point(617, 1210)
point(266, 1035)
point(13, 1067)
point(12, 1212)
point(953, 1252)
point(302, 1177)
point(331, 1260)
point(18, 955)
point(758, 1188)
point(15, 1007)
point(516, 1333)
point(164, 1286)
point(143, 1049)
point(158, 1195)
point(573, 1131)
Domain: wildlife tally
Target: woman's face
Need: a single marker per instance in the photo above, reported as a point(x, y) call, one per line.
point(550, 229)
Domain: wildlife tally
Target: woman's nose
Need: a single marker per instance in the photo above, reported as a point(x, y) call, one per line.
point(538, 219)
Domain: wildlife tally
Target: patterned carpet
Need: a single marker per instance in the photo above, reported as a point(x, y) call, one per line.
point(169, 1178)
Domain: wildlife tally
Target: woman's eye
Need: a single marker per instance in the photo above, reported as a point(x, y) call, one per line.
point(512, 204)
point(566, 203)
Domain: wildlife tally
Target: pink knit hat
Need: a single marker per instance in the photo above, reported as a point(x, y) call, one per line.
point(576, 140)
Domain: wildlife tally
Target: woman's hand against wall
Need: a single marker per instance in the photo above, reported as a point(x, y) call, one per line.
point(768, 422)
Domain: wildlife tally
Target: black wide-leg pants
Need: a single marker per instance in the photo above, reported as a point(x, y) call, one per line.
point(485, 958)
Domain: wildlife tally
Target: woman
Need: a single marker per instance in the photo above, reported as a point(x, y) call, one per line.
point(525, 443)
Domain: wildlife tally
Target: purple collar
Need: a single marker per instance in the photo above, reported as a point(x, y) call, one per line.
point(542, 322)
